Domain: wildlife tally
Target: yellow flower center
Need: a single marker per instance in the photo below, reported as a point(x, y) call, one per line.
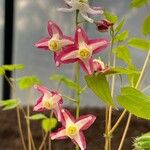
point(84, 53)
point(48, 104)
point(72, 130)
point(54, 45)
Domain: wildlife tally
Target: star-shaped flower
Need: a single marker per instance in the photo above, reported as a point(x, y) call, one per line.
point(73, 128)
point(56, 40)
point(82, 50)
point(83, 7)
point(49, 100)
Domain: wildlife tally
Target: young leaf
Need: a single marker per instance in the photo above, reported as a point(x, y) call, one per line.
point(119, 26)
point(146, 26)
point(2, 71)
point(122, 36)
point(27, 82)
point(135, 102)
point(110, 17)
point(122, 52)
point(69, 83)
point(139, 43)
point(13, 67)
point(138, 3)
point(99, 85)
point(38, 116)
point(49, 124)
point(9, 104)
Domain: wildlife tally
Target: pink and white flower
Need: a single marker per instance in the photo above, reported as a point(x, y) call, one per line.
point(50, 100)
point(83, 7)
point(73, 128)
point(82, 50)
point(56, 40)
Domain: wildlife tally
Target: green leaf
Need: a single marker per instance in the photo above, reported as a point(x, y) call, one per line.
point(122, 36)
point(119, 26)
point(137, 3)
point(49, 124)
point(27, 82)
point(119, 70)
point(110, 17)
point(146, 26)
point(122, 52)
point(2, 71)
point(135, 102)
point(69, 83)
point(139, 43)
point(99, 85)
point(38, 116)
point(13, 67)
point(9, 104)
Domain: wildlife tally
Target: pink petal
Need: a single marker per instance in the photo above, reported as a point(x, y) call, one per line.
point(60, 134)
point(67, 55)
point(54, 29)
point(87, 66)
point(57, 97)
point(80, 140)
point(42, 89)
point(38, 105)
point(68, 118)
point(80, 36)
point(58, 114)
point(66, 41)
point(98, 44)
point(84, 122)
point(43, 43)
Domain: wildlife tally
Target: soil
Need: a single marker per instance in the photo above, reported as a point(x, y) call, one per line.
point(10, 139)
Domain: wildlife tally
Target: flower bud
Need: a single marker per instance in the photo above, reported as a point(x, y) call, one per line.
point(98, 65)
point(103, 25)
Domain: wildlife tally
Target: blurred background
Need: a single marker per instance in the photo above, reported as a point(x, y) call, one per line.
point(23, 22)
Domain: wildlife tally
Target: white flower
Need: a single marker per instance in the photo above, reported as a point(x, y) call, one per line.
point(83, 7)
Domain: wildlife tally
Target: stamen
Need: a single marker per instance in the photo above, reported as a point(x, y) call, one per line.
point(84, 53)
point(72, 130)
point(54, 45)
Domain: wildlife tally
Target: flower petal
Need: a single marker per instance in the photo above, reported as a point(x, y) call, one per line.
point(38, 105)
point(84, 122)
point(98, 44)
point(58, 114)
point(94, 10)
point(43, 43)
point(66, 9)
point(85, 16)
point(66, 41)
point(54, 29)
point(87, 66)
point(80, 36)
point(60, 134)
point(57, 98)
point(80, 140)
point(42, 89)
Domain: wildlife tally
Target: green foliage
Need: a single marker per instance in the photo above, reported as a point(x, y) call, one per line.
point(9, 104)
point(139, 43)
point(119, 26)
point(27, 82)
point(2, 71)
point(122, 52)
point(122, 36)
point(135, 102)
point(49, 124)
point(110, 17)
point(146, 26)
point(13, 67)
point(69, 83)
point(99, 85)
point(38, 116)
point(138, 3)
point(142, 142)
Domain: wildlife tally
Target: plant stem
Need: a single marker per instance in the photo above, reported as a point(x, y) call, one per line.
point(69, 98)
point(49, 139)
point(43, 142)
point(136, 86)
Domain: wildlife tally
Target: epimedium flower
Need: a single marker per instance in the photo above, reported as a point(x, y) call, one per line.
point(83, 7)
point(56, 40)
point(82, 50)
point(50, 100)
point(74, 128)
point(103, 25)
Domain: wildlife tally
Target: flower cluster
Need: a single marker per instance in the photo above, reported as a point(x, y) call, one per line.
point(52, 100)
point(69, 50)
